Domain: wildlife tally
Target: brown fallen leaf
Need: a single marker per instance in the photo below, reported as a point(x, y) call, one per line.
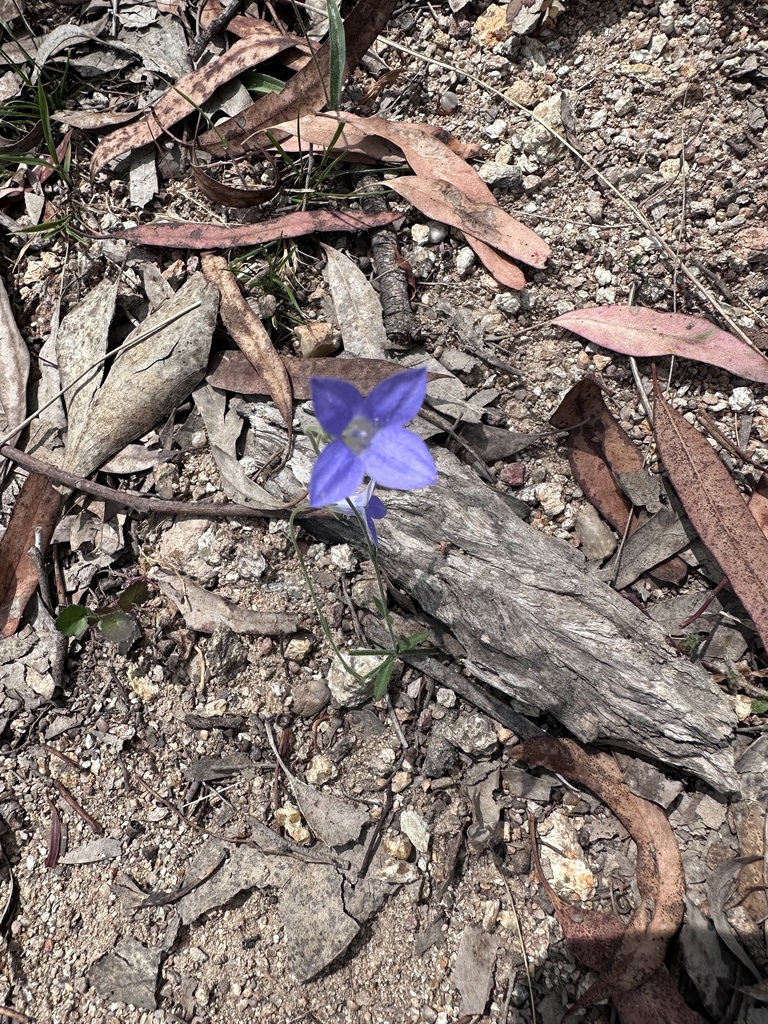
point(251, 336)
point(231, 371)
point(646, 333)
point(487, 222)
point(308, 90)
point(758, 503)
point(190, 235)
point(188, 93)
point(229, 195)
point(716, 508)
point(429, 157)
point(38, 506)
point(630, 960)
point(601, 455)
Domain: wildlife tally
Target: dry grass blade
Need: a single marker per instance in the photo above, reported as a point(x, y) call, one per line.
point(249, 333)
point(308, 90)
point(716, 508)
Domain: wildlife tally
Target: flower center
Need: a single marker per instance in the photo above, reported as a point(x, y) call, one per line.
point(358, 434)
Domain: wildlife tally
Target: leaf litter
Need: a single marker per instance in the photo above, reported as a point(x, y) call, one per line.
point(322, 880)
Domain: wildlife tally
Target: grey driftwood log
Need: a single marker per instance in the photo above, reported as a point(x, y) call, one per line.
point(540, 627)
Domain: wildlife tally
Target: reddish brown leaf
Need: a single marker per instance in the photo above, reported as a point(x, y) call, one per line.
point(599, 452)
point(190, 235)
point(187, 94)
point(645, 333)
point(249, 333)
point(37, 506)
point(307, 92)
point(630, 960)
point(429, 157)
point(484, 221)
point(232, 372)
point(229, 195)
point(716, 508)
point(597, 448)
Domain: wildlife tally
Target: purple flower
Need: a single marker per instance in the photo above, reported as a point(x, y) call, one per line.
point(369, 437)
point(367, 505)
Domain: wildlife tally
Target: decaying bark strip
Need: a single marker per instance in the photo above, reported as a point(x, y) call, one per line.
point(399, 321)
point(540, 627)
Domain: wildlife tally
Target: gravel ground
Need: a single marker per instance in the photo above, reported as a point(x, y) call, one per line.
point(668, 101)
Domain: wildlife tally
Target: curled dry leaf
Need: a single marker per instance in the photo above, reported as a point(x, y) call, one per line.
point(249, 333)
point(646, 333)
point(189, 235)
point(308, 90)
point(229, 195)
point(630, 960)
point(188, 94)
point(716, 508)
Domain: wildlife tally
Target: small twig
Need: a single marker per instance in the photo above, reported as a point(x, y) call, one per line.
point(195, 50)
point(705, 604)
point(64, 793)
point(519, 930)
point(395, 724)
point(140, 502)
point(164, 899)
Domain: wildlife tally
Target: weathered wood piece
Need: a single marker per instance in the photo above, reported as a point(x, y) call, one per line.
point(537, 625)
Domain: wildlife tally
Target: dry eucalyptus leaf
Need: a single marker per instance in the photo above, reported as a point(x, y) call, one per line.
point(148, 380)
point(14, 365)
point(356, 306)
point(81, 340)
point(719, 887)
point(224, 430)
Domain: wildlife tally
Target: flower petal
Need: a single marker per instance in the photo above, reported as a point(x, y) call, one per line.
point(377, 508)
point(397, 458)
point(397, 399)
point(336, 475)
point(336, 402)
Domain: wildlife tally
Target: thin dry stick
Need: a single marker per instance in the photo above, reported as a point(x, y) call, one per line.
point(703, 291)
point(128, 344)
point(140, 502)
point(520, 937)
